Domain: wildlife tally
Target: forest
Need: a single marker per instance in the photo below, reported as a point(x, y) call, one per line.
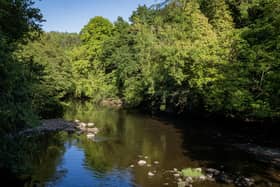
point(217, 58)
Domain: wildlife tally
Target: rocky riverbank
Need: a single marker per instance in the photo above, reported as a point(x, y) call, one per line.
point(56, 125)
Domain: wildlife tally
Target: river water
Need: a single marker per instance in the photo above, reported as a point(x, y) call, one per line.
point(125, 138)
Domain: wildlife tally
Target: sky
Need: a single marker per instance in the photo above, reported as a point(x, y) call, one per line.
point(72, 15)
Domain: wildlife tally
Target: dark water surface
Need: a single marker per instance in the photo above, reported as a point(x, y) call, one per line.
point(72, 160)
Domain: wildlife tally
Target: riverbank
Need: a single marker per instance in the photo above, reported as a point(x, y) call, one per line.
point(57, 125)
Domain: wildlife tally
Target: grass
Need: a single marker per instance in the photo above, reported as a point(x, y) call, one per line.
point(189, 172)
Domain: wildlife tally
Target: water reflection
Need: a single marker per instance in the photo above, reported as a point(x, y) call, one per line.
point(124, 138)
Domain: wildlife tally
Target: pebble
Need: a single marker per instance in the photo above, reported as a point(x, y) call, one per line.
point(165, 184)
point(146, 157)
point(132, 166)
point(175, 169)
point(77, 121)
point(156, 162)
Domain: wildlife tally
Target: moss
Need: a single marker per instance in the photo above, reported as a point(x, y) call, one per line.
point(189, 172)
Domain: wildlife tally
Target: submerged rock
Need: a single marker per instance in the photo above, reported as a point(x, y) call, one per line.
point(151, 174)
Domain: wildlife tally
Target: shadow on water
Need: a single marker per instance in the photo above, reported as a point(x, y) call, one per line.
point(124, 139)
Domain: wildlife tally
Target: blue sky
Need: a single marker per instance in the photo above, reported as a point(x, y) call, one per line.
point(72, 15)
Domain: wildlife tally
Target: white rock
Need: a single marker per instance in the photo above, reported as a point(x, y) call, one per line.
point(175, 169)
point(149, 165)
point(189, 179)
point(82, 124)
point(198, 169)
point(90, 135)
point(165, 184)
point(176, 175)
point(203, 178)
point(90, 124)
point(151, 174)
point(77, 121)
point(146, 157)
point(132, 166)
point(141, 162)
point(156, 162)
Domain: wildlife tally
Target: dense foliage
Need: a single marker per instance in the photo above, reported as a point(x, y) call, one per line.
point(17, 76)
point(216, 57)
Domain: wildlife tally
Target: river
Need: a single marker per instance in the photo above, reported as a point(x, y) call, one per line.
point(127, 137)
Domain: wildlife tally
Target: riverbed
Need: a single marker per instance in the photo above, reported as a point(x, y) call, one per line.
point(111, 159)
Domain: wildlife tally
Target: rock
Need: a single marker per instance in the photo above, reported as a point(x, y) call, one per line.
point(224, 178)
point(210, 177)
point(156, 162)
point(244, 182)
point(189, 179)
point(146, 157)
point(93, 130)
point(175, 169)
point(179, 180)
point(212, 171)
point(198, 169)
point(181, 184)
point(151, 174)
point(141, 162)
point(149, 165)
point(176, 175)
point(90, 135)
point(77, 121)
point(202, 178)
point(90, 125)
point(165, 184)
point(82, 124)
point(132, 166)
point(140, 156)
